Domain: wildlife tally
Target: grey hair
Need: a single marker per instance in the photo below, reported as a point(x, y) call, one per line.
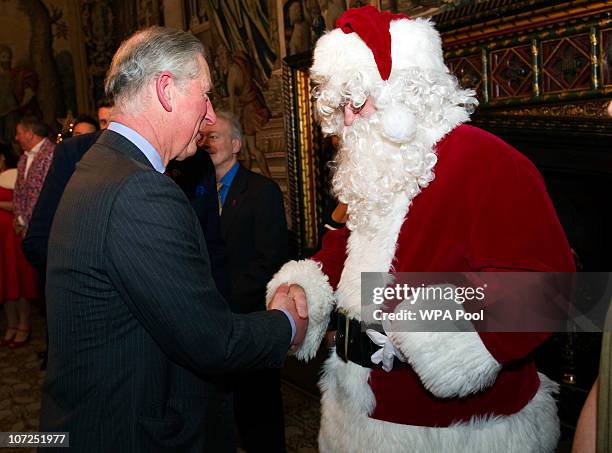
point(145, 55)
point(36, 125)
point(236, 128)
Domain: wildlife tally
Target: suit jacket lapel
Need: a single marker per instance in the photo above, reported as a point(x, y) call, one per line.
point(234, 197)
point(121, 144)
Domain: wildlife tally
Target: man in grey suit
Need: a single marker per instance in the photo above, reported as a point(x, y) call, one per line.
point(137, 329)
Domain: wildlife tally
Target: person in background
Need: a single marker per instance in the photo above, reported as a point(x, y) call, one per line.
point(105, 107)
point(196, 177)
point(16, 277)
point(84, 124)
point(31, 169)
point(8, 176)
point(254, 229)
point(31, 172)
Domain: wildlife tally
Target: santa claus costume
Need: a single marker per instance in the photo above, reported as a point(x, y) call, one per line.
point(486, 209)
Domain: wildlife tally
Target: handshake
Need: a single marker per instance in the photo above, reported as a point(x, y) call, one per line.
point(292, 299)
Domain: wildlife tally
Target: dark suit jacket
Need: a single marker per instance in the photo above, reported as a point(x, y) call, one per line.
point(136, 326)
point(197, 176)
point(192, 172)
point(65, 158)
point(254, 229)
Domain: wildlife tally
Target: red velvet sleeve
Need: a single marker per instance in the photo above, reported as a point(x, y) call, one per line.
point(515, 225)
point(517, 230)
point(333, 254)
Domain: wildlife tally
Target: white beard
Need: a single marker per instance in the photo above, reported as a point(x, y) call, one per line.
point(371, 169)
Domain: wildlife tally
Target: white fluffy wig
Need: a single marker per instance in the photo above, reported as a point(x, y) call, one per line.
point(391, 151)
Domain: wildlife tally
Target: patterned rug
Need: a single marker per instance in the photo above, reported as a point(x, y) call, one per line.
point(21, 383)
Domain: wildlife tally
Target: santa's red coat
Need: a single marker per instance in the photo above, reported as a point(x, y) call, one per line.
point(486, 210)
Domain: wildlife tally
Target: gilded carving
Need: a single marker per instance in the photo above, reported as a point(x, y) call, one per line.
point(594, 109)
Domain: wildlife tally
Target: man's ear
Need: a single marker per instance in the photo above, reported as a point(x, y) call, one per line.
point(164, 86)
point(236, 145)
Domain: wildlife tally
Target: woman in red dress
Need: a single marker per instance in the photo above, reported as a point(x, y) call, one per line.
point(17, 281)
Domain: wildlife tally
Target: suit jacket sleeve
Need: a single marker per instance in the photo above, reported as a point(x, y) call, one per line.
point(271, 249)
point(159, 263)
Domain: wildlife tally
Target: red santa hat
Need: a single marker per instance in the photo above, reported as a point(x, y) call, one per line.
point(377, 44)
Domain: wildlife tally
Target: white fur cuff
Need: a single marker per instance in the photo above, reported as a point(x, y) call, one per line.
point(450, 364)
point(320, 296)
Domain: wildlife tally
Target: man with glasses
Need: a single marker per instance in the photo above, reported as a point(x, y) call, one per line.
point(383, 88)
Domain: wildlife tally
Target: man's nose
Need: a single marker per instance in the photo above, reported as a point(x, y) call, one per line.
point(349, 115)
point(210, 117)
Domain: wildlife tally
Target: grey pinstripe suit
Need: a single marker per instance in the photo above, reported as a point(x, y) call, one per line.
point(137, 330)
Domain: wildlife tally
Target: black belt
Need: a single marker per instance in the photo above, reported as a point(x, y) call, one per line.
point(353, 343)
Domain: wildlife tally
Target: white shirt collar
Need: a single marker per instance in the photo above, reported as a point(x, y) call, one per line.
point(35, 150)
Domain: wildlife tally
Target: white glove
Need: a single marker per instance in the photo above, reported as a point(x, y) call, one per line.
point(387, 351)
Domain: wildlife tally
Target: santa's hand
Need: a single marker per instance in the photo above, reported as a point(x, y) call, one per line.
point(315, 301)
point(387, 353)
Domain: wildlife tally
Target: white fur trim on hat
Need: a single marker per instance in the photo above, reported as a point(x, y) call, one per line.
point(319, 295)
point(414, 43)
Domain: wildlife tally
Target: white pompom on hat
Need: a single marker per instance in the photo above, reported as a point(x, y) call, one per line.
point(399, 124)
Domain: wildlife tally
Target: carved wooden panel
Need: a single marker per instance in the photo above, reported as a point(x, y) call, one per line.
point(566, 64)
point(512, 73)
point(541, 52)
point(469, 71)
